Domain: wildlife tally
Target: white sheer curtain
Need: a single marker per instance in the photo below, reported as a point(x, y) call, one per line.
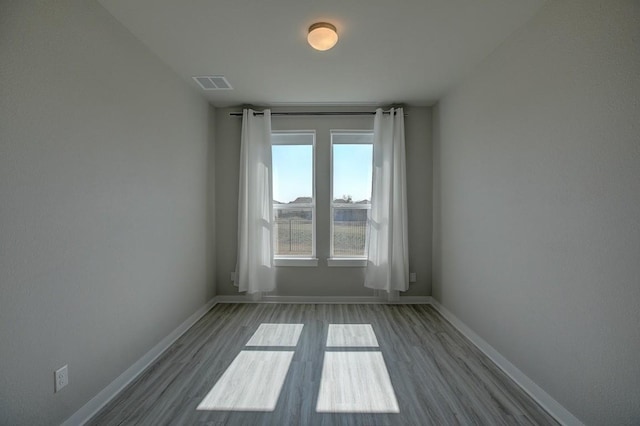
point(388, 248)
point(255, 271)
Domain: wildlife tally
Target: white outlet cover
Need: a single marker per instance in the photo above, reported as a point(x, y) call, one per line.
point(61, 378)
point(412, 277)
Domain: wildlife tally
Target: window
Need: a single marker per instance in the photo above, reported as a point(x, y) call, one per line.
point(293, 194)
point(351, 176)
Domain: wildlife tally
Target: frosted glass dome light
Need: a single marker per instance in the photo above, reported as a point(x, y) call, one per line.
point(322, 36)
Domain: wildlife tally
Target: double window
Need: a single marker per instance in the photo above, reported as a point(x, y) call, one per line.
point(348, 183)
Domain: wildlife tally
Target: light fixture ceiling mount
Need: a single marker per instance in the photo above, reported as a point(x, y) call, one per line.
point(322, 36)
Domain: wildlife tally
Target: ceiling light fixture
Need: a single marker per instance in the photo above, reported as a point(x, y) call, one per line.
point(322, 36)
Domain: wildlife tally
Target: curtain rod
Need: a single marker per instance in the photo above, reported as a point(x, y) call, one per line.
point(318, 113)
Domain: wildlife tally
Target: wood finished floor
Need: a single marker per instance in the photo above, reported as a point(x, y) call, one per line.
point(438, 376)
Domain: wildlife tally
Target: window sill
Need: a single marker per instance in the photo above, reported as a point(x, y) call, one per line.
point(347, 262)
point(296, 261)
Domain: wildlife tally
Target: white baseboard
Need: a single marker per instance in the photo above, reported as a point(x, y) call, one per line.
point(411, 300)
point(88, 410)
point(553, 407)
point(240, 298)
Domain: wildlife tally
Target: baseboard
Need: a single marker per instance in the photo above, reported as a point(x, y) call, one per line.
point(553, 407)
point(96, 403)
point(322, 299)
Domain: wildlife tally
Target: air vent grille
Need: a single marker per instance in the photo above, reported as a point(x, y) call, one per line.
point(213, 82)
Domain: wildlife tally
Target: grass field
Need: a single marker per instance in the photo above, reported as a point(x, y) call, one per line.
point(294, 237)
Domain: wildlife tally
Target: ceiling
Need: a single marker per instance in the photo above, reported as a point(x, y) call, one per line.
point(402, 51)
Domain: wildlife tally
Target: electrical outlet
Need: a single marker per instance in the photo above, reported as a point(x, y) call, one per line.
point(412, 277)
point(61, 377)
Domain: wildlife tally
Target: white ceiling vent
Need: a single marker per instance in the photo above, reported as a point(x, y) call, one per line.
point(213, 82)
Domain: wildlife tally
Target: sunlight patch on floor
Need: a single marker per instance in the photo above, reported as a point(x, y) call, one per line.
point(356, 382)
point(276, 335)
point(252, 382)
point(351, 335)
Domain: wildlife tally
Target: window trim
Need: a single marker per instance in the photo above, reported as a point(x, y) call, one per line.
point(347, 262)
point(287, 261)
point(333, 260)
point(300, 260)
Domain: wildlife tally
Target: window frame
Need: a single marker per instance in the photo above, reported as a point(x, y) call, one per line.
point(345, 261)
point(299, 260)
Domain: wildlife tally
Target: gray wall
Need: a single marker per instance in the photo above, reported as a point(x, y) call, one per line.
point(325, 281)
point(537, 205)
point(103, 189)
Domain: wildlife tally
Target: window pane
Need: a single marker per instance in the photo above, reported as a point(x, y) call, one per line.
point(292, 156)
point(293, 232)
point(349, 231)
point(352, 163)
point(352, 171)
point(292, 173)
